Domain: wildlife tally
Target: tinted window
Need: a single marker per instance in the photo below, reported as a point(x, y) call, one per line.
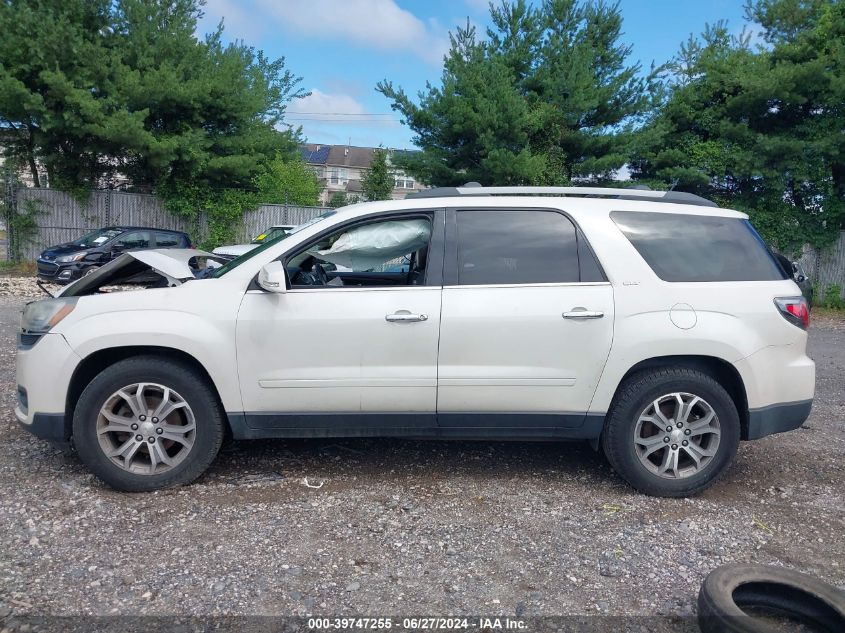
point(698, 248)
point(516, 247)
point(166, 240)
point(136, 239)
point(590, 268)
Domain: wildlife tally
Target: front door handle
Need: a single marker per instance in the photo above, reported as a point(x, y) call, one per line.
point(581, 313)
point(403, 316)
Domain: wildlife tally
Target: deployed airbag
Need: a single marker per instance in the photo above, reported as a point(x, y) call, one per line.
point(368, 246)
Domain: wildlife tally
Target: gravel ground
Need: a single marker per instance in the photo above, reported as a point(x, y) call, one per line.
point(385, 527)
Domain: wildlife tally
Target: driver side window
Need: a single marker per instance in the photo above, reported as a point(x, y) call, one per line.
point(381, 253)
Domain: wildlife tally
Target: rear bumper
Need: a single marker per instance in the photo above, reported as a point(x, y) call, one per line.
point(777, 418)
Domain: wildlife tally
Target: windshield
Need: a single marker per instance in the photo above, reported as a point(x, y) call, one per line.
point(97, 238)
point(272, 234)
point(270, 242)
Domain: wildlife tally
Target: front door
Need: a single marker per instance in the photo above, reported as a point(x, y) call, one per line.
point(351, 348)
point(525, 327)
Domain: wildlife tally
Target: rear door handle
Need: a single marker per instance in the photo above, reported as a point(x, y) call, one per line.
point(403, 316)
point(581, 313)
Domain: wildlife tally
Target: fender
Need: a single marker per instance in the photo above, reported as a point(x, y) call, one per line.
point(193, 323)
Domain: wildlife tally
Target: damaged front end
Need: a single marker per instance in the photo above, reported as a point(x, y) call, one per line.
point(157, 268)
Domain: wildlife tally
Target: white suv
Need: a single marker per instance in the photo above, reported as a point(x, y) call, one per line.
point(652, 324)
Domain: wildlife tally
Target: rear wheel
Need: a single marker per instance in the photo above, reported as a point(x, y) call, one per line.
point(671, 432)
point(146, 423)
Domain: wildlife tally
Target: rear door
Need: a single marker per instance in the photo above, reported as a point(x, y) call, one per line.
point(526, 322)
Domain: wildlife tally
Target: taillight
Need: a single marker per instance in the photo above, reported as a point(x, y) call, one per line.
point(794, 310)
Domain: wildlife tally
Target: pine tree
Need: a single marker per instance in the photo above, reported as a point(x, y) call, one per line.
point(759, 128)
point(545, 99)
point(377, 183)
point(93, 87)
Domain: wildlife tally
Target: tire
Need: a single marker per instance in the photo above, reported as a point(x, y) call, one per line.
point(159, 453)
point(90, 270)
point(694, 438)
point(732, 594)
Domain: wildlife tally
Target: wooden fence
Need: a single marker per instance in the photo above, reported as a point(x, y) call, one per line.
point(826, 266)
point(61, 218)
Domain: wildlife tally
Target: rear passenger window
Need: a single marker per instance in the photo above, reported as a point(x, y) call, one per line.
point(166, 240)
point(138, 239)
point(682, 247)
point(516, 247)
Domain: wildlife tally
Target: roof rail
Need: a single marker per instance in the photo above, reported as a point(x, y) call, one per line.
point(474, 189)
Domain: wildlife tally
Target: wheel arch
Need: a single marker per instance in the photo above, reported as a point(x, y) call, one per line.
point(97, 361)
point(719, 369)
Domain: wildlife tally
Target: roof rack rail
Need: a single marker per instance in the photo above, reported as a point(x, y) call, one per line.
point(474, 189)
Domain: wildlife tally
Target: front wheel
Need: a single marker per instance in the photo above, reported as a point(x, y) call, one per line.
point(146, 423)
point(671, 432)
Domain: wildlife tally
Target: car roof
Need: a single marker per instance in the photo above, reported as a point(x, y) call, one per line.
point(578, 207)
point(139, 228)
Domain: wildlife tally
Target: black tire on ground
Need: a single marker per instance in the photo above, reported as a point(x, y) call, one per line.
point(732, 594)
point(634, 395)
point(199, 395)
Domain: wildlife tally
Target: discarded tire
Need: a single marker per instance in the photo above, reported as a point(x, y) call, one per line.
point(739, 598)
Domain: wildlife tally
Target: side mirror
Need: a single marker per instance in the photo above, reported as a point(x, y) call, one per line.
point(272, 277)
point(118, 247)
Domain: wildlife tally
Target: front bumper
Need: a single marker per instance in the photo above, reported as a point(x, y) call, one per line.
point(60, 273)
point(44, 372)
point(777, 418)
point(55, 428)
point(63, 273)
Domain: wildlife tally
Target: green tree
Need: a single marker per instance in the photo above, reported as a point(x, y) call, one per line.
point(377, 183)
point(96, 87)
point(288, 181)
point(546, 98)
point(756, 127)
point(338, 200)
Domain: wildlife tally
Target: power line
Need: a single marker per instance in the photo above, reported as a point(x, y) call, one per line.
point(344, 113)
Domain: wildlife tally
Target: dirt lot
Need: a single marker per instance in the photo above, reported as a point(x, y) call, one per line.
point(403, 527)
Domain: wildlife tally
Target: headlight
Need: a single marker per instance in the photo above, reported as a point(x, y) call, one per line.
point(39, 317)
point(66, 259)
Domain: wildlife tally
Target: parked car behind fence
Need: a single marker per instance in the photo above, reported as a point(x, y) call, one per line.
point(70, 261)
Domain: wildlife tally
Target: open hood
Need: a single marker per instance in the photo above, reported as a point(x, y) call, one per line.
point(148, 267)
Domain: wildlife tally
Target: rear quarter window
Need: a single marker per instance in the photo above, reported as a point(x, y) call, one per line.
point(683, 248)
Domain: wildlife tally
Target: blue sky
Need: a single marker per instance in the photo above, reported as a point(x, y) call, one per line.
point(342, 48)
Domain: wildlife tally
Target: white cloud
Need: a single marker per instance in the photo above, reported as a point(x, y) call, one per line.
point(379, 24)
point(325, 105)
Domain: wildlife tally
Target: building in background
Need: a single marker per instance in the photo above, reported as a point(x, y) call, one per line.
point(340, 168)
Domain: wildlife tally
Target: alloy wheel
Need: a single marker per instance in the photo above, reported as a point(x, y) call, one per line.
point(146, 428)
point(677, 435)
